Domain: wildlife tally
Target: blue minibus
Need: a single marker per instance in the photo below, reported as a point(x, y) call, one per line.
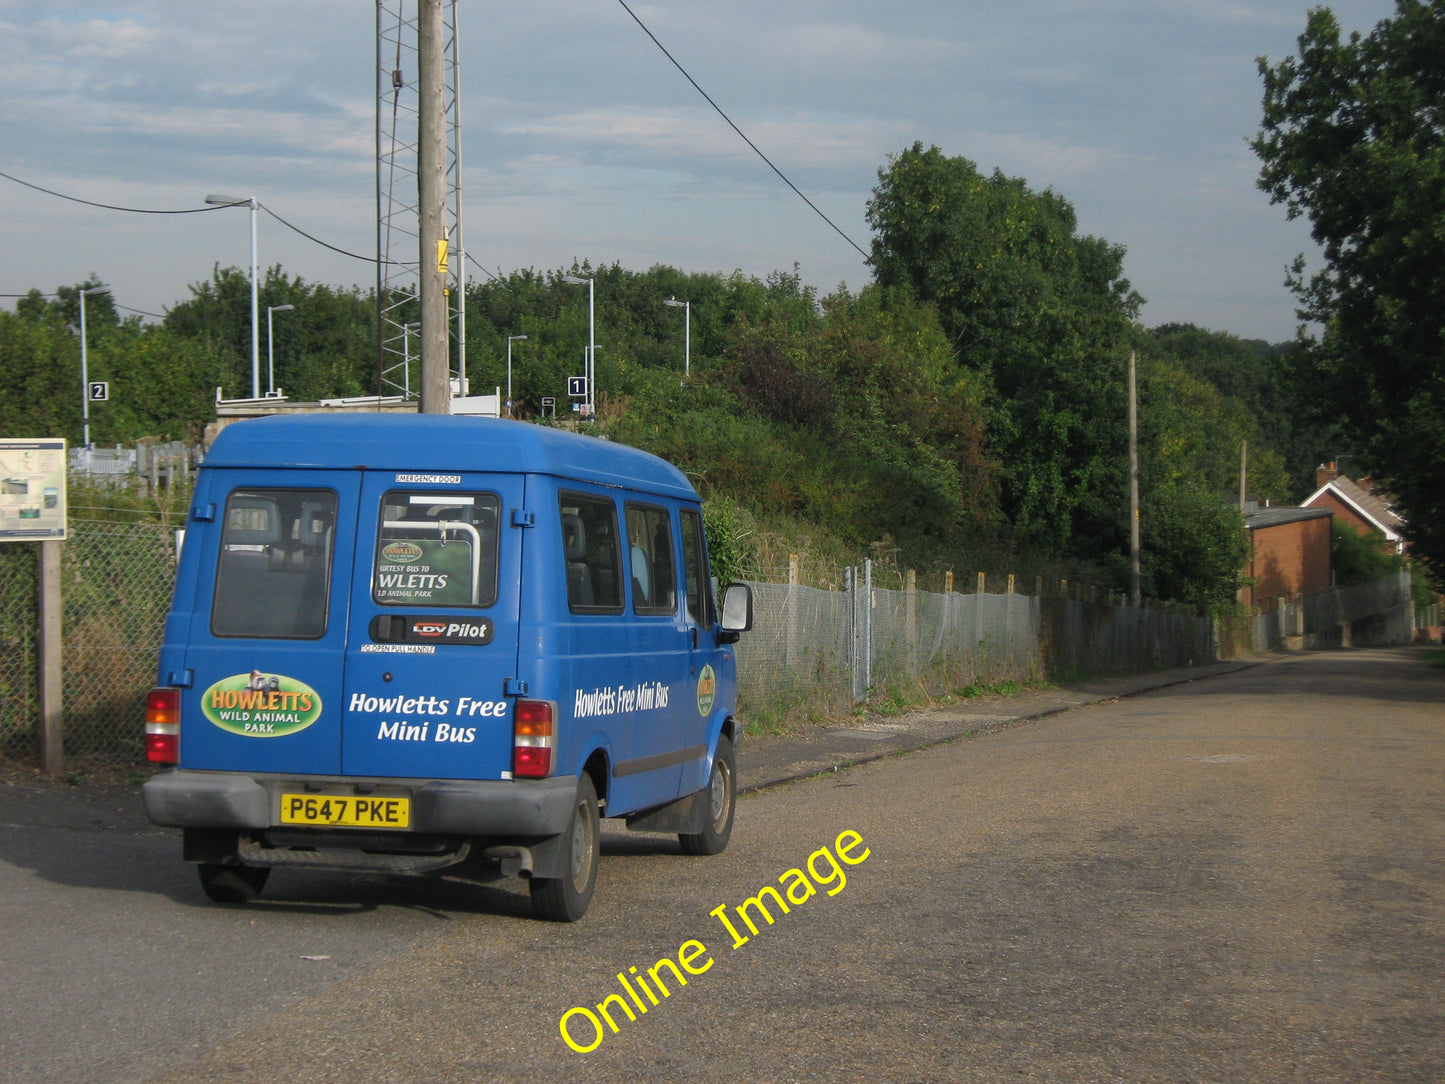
point(414, 643)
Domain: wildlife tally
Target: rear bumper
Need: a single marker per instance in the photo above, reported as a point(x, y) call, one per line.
point(178, 798)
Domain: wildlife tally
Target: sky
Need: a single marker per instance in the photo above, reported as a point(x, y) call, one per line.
point(582, 141)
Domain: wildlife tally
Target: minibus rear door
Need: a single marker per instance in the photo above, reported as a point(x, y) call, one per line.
point(261, 688)
point(433, 626)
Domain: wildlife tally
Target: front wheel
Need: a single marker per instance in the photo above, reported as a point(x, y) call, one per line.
point(565, 898)
point(721, 795)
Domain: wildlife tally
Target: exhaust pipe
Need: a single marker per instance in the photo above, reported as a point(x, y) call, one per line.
point(516, 861)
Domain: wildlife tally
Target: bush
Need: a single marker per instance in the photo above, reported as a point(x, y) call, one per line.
point(1359, 558)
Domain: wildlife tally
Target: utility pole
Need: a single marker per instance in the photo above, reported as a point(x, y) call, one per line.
point(1243, 472)
point(1134, 599)
point(432, 199)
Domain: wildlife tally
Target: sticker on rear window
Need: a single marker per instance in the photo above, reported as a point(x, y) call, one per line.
point(402, 553)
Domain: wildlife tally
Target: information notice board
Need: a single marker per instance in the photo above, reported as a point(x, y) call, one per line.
point(32, 489)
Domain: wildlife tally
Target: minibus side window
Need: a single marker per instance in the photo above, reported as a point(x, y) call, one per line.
point(650, 559)
point(592, 553)
point(273, 577)
point(436, 549)
point(699, 581)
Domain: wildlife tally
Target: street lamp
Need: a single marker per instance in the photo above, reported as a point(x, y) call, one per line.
point(85, 370)
point(270, 347)
point(674, 303)
point(510, 340)
point(251, 202)
point(591, 373)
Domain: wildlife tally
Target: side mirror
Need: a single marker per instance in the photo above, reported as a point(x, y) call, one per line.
point(737, 610)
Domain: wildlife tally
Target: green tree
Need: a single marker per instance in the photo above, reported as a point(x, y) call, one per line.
point(1189, 431)
point(325, 345)
point(1267, 381)
point(1354, 139)
point(1042, 310)
point(1359, 558)
point(1195, 548)
point(1236, 367)
point(39, 375)
point(848, 411)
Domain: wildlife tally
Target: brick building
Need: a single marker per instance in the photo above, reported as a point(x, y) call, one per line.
point(1357, 505)
point(1289, 553)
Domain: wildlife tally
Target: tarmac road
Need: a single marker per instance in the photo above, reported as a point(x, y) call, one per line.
point(1231, 879)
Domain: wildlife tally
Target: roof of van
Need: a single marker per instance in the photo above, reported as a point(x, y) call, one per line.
point(440, 442)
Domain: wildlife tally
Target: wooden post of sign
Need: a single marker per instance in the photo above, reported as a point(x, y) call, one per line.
point(52, 717)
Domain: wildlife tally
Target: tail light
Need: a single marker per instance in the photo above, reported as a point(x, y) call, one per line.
point(163, 726)
point(532, 739)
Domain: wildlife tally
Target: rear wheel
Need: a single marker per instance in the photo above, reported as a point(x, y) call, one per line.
point(233, 884)
point(721, 795)
point(565, 898)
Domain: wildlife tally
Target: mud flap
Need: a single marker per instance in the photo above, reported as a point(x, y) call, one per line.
point(685, 816)
point(552, 857)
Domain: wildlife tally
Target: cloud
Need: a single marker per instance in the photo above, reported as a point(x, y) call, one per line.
point(582, 140)
point(1043, 160)
point(693, 138)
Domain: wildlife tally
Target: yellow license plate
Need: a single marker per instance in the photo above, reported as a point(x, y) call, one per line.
point(345, 811)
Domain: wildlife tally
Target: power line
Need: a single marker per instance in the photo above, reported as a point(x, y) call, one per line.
point(109, 206)
point(316, 240)
point(739, 131)
point(186, 211)
point(139, 312)
point(484, 270)
point(114, 303)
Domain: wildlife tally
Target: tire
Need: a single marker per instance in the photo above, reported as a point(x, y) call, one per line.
point(565, 899)
point(233, 884)
point(721, 795)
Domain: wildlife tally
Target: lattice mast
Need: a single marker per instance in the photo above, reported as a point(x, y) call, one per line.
point(401, 255)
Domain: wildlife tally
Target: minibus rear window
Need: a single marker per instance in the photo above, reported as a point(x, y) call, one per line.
point(436, 549)
point(274, 574)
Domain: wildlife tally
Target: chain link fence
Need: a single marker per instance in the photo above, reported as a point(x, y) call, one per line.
point(116, 581)
point(1375, 614)
point(826, 651)
point(813, 653)
point(19, 649)
point(1362, 615)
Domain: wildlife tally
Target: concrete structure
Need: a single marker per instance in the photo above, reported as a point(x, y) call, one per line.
point(236, 410)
